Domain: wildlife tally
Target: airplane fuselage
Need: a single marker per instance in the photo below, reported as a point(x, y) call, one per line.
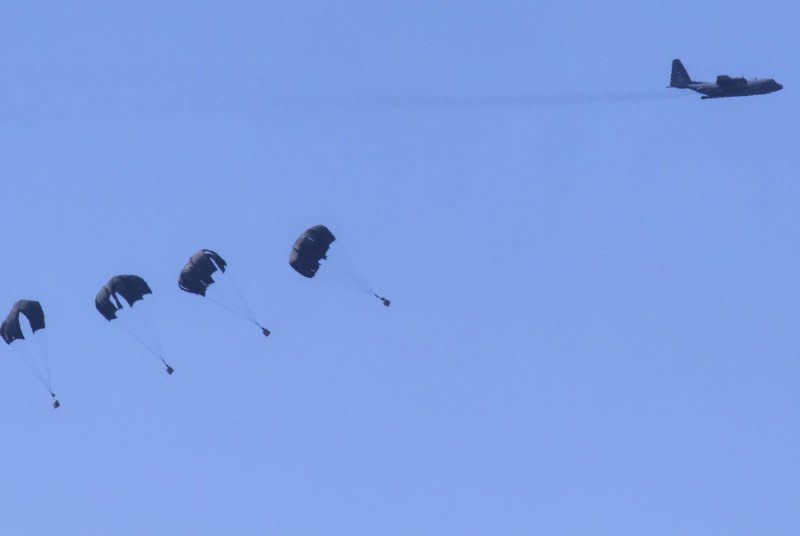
point(756, 86)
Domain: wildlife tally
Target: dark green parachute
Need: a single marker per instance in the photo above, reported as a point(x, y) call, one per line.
point(132, 288)
point(11, 329)
point(33, 353)
point(310, 248)
point(197, 276)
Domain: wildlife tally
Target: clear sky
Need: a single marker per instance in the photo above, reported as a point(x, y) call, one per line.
point(594, 278)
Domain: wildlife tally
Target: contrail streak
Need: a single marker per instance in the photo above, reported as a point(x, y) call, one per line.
point(472, 102)
point(254, 106)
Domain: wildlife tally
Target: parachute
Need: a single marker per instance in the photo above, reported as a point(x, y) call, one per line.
point(197, 276)
point(311, 247)
point(11, 330)
point(132, 289)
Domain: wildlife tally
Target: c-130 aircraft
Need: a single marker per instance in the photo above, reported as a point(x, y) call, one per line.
point(725, 86)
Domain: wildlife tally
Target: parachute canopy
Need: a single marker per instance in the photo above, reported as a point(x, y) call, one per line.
point(131, 287)
point(311, 247)
point(196, 275)
point(11, 330)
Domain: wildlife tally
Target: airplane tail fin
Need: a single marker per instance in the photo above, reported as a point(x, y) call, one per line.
point(679, 77)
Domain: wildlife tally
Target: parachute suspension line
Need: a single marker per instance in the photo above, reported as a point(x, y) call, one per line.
point(349, 267)
point(347, 258)
point(147, 347)
point(247, 316)
point(242, 300)
point(46, 362)
point(246, 306)
point(37, 374)
point(40, 374)
point(25, 357)
point(47, 374)
point(227, 308)
point(141, 341)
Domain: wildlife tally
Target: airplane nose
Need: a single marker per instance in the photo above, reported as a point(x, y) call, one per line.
point(780, 86)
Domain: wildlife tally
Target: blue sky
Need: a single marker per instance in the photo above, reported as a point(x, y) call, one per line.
point(594, 278)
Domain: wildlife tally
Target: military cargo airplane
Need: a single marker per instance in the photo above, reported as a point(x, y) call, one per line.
point(725, 86)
